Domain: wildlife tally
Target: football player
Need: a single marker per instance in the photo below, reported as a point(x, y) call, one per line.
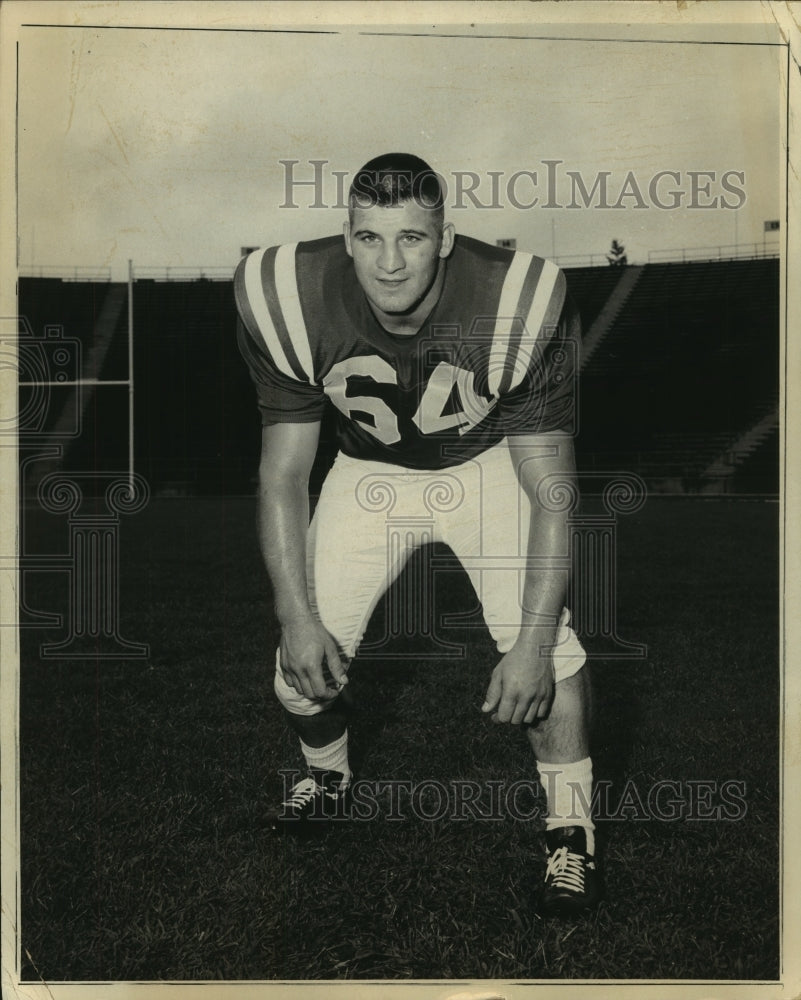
point(450, 363)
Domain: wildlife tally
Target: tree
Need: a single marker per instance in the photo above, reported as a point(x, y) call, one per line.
point(617, 256)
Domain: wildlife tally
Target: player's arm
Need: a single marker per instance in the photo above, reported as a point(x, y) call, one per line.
point(287, 454)
point(522, 685)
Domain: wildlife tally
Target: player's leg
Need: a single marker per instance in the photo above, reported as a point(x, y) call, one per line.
point(564, 735)
point(492, 549)
point(349, 566)
point(562, 749)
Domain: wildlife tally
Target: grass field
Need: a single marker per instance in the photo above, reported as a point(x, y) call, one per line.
point(144, 783)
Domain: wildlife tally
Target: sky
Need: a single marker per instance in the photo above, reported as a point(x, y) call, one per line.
point(165, 146)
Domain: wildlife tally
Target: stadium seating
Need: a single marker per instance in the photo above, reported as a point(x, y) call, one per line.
point(759, 472)
point(591, 287)
point(687, 367)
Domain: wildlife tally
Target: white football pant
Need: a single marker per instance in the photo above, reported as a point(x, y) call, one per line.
point(371, 517)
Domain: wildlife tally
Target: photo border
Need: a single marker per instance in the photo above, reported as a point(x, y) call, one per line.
point(401, 18)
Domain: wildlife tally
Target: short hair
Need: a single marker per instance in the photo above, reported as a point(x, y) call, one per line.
point(393, 179)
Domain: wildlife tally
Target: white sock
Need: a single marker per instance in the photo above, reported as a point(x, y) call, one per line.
point(568, 790)
point(333, 757)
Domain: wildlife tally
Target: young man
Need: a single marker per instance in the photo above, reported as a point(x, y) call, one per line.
point(449, 362)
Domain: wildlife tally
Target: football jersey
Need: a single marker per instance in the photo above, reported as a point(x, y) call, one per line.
point(496, 355)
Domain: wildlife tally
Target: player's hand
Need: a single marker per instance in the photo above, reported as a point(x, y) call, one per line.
point(310, 660)
point(521, 689)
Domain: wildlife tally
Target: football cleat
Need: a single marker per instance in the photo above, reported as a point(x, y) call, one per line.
point(572, 881)
point(318, 798)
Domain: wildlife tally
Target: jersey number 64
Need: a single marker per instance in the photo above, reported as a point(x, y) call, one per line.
point(449, 401)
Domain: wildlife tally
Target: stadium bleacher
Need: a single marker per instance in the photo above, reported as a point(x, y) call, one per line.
point(590, 288)
point(686, 368)
point(689, 365)
point(759, 472)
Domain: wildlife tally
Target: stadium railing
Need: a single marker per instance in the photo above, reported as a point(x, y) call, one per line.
point(732, 251)
point(184, 273)
point(198, 272)
point(67, 273)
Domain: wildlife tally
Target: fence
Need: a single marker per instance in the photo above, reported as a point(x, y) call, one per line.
point(168, 273)
point(581, 260)
point(740, 251)
point(67, 273)
point(184, 273)
point(731, 251)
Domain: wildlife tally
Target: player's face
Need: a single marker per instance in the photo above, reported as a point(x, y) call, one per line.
point(397, 252)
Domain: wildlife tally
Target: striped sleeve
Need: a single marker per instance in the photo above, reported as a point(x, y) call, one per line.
point(530, 305)
point(273, 338)
point(535, 348)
